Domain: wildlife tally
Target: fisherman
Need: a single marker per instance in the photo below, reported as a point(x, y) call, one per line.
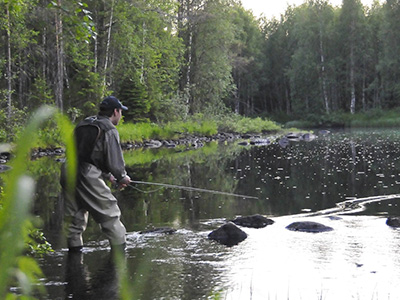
point(100, 158)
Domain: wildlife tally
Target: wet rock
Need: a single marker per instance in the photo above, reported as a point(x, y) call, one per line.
point(153, 144)
point(169, 144)
point(159, 230)
point(197, 144)
point(228, 234)
point(243, 143)
point(59, 151)
point(393, 221)
point(247, 136)
point(5, 156)
point(294, 136)
point(254, 221)
point(260, 142)
point(308, 226)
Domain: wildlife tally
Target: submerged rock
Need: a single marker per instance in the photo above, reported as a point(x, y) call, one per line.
point(393, 221)
point(254, 221)
point(228, 234)
point(160, 230)
point(308, 226)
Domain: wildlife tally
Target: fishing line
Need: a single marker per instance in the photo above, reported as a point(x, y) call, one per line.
point(145, 192)
point(190, 189)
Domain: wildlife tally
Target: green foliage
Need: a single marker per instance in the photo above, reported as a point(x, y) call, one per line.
point(10, 127)
point(134, 95)
point(18, 193)
point(138, 132)
point(144, 131)
point(37, 244)
point(41, 93)
point(172, 108)
point(238, 124)
point(14, 215)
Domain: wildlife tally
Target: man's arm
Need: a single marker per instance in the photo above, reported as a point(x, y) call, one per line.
point(114, 158)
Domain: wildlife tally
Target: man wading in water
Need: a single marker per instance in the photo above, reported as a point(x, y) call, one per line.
point(100, 158)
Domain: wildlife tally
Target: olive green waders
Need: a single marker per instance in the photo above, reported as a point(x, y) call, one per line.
point(93, 196)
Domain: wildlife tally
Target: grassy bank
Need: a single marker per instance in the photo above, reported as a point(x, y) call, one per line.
point(197, 125)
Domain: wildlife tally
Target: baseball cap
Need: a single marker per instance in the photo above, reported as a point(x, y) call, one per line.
point(111, 102)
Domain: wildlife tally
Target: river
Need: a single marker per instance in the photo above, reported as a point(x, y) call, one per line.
point(359, 259)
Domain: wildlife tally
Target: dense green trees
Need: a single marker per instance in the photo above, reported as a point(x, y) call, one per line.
point(169, 59)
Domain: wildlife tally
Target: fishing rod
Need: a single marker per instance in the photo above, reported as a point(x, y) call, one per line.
point(188, 188)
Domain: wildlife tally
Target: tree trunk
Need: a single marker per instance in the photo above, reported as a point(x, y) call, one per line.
point(59, 90)
point(352, 71)
point(108, 48)
point(287, 97)
point(364, 104)
point(237, 98)
point(352, 82)
point(323, 77)
point(9, 64)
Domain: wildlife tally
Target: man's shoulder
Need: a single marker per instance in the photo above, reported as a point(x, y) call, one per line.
point(100, 121)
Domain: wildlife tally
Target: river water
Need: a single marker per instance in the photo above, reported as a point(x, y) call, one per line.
point(359, 259)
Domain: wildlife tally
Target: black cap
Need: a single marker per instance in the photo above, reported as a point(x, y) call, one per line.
point(111, 102)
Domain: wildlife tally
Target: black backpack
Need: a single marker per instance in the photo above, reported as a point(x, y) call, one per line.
point(87, 133)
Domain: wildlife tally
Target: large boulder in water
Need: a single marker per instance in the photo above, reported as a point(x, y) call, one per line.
point(393, 221)
point(308, 226)
point(254, 221)
point(228, 234)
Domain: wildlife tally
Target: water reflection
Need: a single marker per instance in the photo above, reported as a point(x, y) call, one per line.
point(83, 284)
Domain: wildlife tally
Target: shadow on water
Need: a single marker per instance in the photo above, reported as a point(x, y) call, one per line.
point(290, 183)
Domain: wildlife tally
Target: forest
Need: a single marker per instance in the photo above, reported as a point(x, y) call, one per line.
point(171, 59)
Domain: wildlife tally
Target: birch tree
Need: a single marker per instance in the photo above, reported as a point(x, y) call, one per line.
point(351, 24)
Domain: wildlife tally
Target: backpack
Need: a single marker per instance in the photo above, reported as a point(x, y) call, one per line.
point(87, 133)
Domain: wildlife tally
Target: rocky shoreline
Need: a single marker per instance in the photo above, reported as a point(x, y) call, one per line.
point(190, 141)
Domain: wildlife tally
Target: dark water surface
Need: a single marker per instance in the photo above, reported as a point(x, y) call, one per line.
point(359, 259)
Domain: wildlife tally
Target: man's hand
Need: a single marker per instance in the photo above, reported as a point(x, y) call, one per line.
point(124, 182)
point(113, 180)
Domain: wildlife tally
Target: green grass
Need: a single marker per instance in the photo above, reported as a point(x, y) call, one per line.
point(195, 126)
